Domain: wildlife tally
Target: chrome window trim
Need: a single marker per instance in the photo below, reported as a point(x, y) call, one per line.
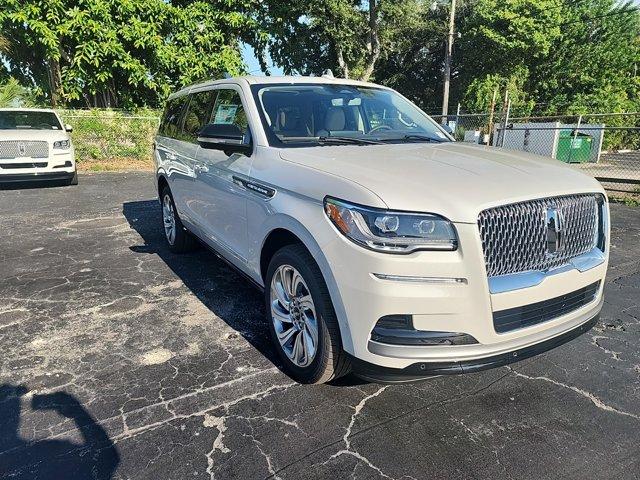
point(520, 280)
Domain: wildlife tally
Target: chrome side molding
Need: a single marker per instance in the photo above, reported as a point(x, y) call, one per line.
point(517, 281)
point(415, 279)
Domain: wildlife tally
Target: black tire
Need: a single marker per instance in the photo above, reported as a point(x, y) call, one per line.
point(74, 179)
point(183, 242)
point(330, 361)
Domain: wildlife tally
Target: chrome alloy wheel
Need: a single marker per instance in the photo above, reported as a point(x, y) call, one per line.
point(294, 315)
point(169, 219)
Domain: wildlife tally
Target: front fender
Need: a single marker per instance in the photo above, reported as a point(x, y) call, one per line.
point(291, 224)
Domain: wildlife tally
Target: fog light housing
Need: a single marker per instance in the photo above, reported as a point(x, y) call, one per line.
point(399, 330)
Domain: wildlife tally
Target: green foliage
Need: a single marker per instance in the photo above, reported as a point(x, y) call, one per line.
point(630, 200)
point(567, 56)
point(12, 94)
point(555, 56)
point(480, 92)
point(120, 52)
point(348, 36)
point(112, 136)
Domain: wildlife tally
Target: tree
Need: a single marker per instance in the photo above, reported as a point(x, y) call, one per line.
point(594, 61)
point(554, 56)
point(113, 53)
point(347, 36)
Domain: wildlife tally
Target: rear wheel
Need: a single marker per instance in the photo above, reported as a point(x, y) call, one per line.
point(303, 324)
point(178, 238)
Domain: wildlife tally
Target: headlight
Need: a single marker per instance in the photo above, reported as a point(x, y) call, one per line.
point(62, 144)
point(389, 231)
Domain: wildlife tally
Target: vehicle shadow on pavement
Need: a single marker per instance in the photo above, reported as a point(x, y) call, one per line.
point(220, 288)
point(95, 457)
point(31, 185)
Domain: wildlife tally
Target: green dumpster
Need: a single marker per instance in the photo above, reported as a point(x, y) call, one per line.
point(574, 148)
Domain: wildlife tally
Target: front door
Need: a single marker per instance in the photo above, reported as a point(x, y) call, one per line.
point(222, 205)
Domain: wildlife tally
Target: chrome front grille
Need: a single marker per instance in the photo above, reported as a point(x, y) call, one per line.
point(23, 148)
point(515, 237)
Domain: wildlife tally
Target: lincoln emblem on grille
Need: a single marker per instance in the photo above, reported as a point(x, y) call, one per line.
point(22, 149)
point(555, 233)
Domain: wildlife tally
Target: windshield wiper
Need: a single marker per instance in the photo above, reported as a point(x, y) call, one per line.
point(351, 140)
point(415, 136)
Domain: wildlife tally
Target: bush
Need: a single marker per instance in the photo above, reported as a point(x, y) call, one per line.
point(112, 140)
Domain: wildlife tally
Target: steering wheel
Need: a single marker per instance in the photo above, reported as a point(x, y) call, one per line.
point(380, 127)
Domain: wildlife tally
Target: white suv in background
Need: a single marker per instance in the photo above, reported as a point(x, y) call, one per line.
point(35, 146)
point(383, 246)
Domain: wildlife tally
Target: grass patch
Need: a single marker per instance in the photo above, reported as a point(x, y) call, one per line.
point(109, 140)
point(116, 165)
point(630, 200)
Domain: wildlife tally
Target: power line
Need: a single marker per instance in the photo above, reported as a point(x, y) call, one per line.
point(598, 17)
point(621, 11)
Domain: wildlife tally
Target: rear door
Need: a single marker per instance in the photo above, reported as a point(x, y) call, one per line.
point(195, 116)
point(168, 147)
point(222, 201)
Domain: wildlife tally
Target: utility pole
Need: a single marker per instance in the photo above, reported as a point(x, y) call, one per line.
point(491, 110)
point(447, 62)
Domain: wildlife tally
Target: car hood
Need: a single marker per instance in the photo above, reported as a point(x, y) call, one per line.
point(33, 135)
point(456, 180)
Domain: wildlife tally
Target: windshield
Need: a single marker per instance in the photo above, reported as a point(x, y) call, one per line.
point(317, 114)
point(22, 119)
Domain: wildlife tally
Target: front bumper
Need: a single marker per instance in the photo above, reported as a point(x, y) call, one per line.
point(465, 306)
point(36, 177)
point(417, 371)
point(59, 166)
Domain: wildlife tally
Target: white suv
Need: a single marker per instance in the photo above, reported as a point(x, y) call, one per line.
point(35, 146)
point(383, 246)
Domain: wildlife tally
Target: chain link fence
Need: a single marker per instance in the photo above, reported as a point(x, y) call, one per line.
point(112, 139)
point(605, 145)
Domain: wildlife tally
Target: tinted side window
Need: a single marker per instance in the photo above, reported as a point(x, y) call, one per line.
point(228, 110)
point(170, 126)
point(198, 114)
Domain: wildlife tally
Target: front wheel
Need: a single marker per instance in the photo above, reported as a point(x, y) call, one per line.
point(303, 324)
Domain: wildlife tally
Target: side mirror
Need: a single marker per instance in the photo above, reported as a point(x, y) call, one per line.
point(225, 137)
point(68, 128)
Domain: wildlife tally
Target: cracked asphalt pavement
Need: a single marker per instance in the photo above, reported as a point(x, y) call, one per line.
point(121, 360)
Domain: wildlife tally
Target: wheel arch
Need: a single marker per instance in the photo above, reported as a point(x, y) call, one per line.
point(161, 183)
point(288, 231)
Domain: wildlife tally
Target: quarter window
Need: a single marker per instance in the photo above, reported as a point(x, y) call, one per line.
point(170, 126)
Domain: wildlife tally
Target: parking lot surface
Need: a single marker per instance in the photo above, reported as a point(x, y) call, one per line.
point(121, 360)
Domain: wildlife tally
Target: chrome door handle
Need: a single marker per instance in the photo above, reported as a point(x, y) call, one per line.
point(199, 168)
